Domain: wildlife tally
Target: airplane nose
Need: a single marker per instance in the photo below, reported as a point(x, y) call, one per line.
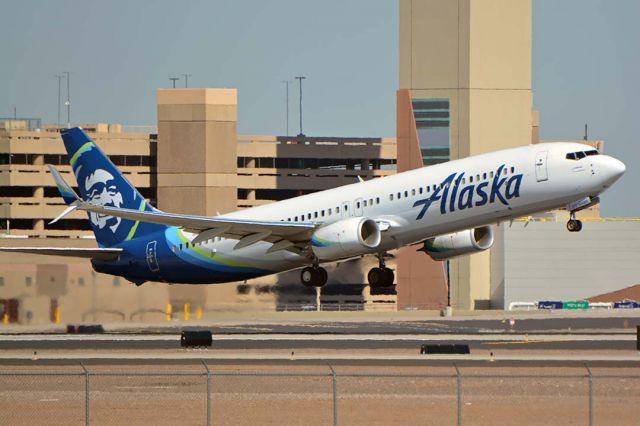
point(613, 169)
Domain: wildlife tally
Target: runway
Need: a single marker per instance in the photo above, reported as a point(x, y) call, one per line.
point(321, 341)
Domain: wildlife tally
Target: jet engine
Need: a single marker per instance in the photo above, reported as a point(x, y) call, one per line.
point(346, 238)
point(459, 243)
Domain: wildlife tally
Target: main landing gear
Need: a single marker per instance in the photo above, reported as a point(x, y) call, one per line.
point(314, 276)
point(381, 276)
point(574, 225)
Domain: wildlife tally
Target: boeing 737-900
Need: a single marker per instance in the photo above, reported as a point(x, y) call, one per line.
point(447, 209)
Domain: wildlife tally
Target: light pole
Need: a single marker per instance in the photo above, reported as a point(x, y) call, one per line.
point(300, 83)
point(186, 80)
point(286, 82)
point(173, 80)
point(59, 77)
point(68, 102)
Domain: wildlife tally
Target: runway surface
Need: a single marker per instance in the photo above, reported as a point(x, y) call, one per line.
point(582, 341)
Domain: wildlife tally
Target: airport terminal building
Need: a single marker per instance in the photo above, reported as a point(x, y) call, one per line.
point(465, 89)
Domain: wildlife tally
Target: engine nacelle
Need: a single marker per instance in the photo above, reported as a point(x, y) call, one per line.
point(346, 238)
point(459, 243)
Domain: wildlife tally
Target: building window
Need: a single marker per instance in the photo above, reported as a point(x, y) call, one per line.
point(432, 116)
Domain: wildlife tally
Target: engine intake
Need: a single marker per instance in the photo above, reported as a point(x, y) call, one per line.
point(459, 243)
point(346, 238)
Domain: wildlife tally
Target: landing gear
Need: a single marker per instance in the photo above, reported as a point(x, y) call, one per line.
point(381, 276)
point(314, 276)
point(574, 225)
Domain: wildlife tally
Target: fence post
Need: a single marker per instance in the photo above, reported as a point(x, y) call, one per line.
point(208, 393)
point(335, 395)
point(590, 395)
point(459, 393)
point(87, 413)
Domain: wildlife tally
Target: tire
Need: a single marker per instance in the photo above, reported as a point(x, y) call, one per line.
point(323, 277)
point(309, 276)
point(572, 225)
point(375, 277)
point(389, 276)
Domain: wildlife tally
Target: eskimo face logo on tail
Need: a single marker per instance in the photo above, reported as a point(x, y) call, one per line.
point(101, 189)
point(453, 196)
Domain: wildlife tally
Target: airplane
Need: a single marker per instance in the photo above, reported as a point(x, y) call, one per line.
point(446, 209)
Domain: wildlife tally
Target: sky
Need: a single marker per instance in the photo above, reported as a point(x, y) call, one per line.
point(586, 66)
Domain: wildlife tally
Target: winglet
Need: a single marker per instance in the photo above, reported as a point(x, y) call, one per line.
point(66, 192)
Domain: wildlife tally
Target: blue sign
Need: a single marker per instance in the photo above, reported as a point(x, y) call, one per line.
point(550, 304)
point(626, 304)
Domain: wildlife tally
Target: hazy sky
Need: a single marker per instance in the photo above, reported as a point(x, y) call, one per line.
point(586, 65)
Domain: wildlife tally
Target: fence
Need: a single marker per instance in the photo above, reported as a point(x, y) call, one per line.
point(227, 394)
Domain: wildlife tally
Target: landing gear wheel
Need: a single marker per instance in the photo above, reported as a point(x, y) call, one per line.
point(389, 276)
point(376, 277)
point(574, 225)
point(313, 277)
point(323, 276)
point(380, 277)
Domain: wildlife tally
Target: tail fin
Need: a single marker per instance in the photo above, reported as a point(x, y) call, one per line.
point(100, 182)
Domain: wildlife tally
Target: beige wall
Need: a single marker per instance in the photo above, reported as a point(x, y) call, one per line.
point(197, 147)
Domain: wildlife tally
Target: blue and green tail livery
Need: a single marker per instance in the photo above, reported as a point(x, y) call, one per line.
point(100, 182)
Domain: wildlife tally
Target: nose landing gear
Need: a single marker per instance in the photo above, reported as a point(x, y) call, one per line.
point(381, 276)
point(574, 225)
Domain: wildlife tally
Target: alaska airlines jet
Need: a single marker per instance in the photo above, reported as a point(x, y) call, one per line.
point(447, 209)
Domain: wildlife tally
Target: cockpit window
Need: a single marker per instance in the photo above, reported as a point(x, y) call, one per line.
point(581, 154)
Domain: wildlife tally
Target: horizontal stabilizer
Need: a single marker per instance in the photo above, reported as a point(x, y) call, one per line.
point(87, 253)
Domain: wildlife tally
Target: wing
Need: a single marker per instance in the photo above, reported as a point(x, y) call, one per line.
point(284, 235)
point(89, 253)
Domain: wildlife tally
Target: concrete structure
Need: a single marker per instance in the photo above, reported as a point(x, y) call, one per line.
point(541, 261)
point(465, 89)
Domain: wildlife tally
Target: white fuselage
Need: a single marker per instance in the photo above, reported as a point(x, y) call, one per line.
point(440, 199)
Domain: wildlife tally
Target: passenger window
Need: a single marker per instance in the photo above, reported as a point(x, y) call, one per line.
point(364, 203)
point(308, 216)
point(513, 169)
point(377, 200)
point(315, 215)
point(390, 197)
point(337, 210)
point(346, 208)
point(420, 190)
point(322, 213)
point(504, 172)
point(399, 195)
point(370, 201)
point(358, 205)
point(428, 189)
point(413, 192)
point(470, 179)
point(491, 173)
point(484, 176)
point(329, 212)
point(464, 181)
point(406, 194)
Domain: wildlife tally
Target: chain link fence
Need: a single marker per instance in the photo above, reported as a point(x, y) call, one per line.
point(310, 395)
